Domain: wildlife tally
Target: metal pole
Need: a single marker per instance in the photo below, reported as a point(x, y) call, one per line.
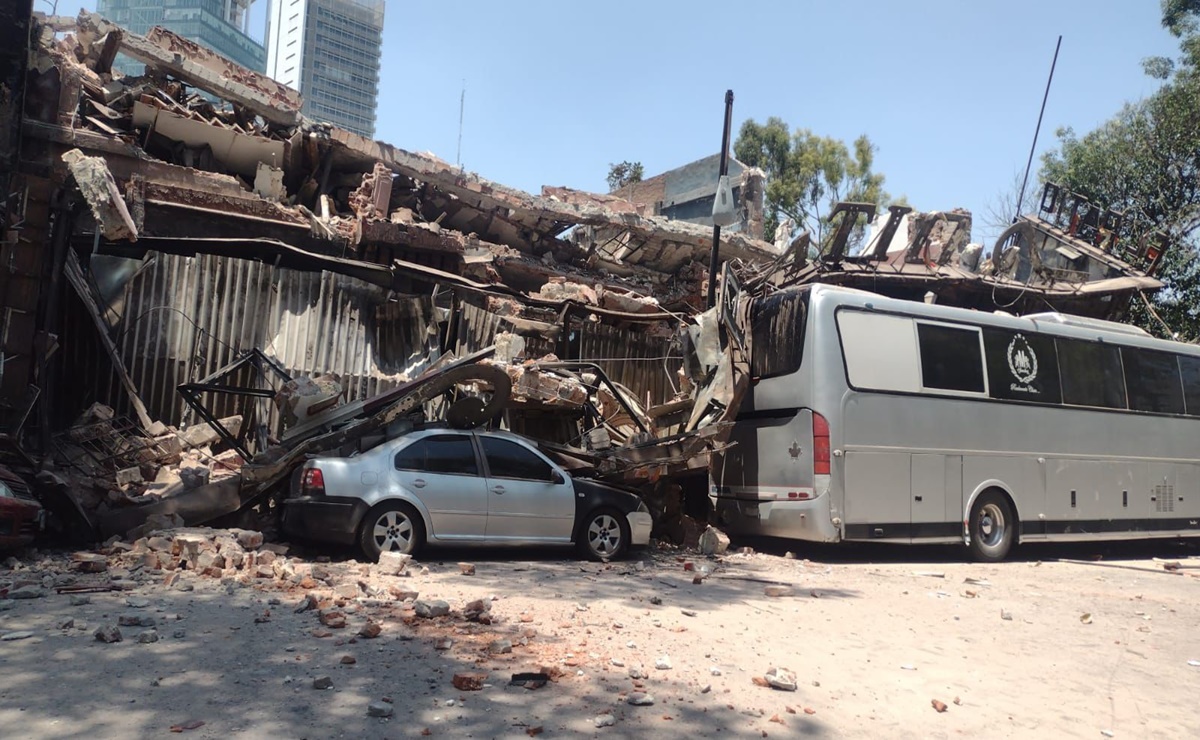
point(1036, 131)
point(716, 241)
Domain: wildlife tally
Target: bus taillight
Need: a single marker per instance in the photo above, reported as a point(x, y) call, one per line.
point(820, 445)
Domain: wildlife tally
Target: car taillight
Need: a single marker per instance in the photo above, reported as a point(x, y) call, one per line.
point(313, 483)
point(820, 445)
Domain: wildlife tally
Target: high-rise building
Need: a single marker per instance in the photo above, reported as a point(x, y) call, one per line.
point(220, 25)
point(329, 50)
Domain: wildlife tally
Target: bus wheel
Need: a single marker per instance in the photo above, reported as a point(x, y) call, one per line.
point(993, 527)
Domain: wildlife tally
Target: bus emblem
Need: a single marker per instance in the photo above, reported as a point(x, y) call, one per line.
point(1021, 360)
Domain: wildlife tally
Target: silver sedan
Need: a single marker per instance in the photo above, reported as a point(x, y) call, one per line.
point(443, 486)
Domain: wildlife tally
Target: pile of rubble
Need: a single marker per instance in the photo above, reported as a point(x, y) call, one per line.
point(110, 463)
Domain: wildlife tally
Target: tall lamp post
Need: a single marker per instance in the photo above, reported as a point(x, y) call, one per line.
point(721, 214)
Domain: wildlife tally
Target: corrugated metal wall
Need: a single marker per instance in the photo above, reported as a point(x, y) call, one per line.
point(183, 318)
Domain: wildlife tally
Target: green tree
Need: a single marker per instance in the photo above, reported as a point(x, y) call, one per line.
point(624, 173)
point(807, 174)
point(1146, 160)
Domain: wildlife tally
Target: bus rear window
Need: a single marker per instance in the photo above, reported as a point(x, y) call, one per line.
point(1091, 374)
point(778, 336)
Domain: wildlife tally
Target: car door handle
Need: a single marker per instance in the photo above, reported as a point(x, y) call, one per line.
point(419, 483)
point(498, 489)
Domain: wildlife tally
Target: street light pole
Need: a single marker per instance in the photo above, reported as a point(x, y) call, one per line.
point(716, 240)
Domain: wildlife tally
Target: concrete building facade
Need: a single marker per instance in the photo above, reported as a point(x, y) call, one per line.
point(330, 51)
point(220, 25)
point(687, 193)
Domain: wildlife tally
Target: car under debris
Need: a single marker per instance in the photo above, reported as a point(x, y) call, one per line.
point(447, 486)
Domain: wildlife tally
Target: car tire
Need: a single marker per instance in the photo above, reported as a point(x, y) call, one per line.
point(394, 526)
point(603, 535)
point(992, 527)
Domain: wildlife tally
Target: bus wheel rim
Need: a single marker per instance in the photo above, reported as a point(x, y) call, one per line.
point(991, 525)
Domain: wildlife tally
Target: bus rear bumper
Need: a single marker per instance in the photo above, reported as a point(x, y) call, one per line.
point(803, 520)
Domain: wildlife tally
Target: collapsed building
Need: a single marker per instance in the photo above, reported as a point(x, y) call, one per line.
point(200, 287)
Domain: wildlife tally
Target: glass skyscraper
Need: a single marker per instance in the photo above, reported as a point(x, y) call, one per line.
point(329, 50)
point(220, 25)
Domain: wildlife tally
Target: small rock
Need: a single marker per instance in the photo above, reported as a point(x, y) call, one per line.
point(713, 541)
point(370, 630)
point(618, 662)
point(393, 563)
point(18, 635)
point(348, 660)
point(26, 592)
point(636, 673)
point(467, 569)
point(135, 620)
point(663, 663)
point(781, 678)
point(688, 612)
point(939, 706)
point(443, 644)
point(179, 634)
point(1006, 615)
point(137, 602)
point(605, 720)
point(89, 562)
point(80, 599)
point(778, 591)
point(108, 633)
point(431, 609)
point(332, 618)
point(468, 681)
point(657, 601)
point(148, 636)
point(66, 624)
point(323, 682)
point(500, 647)
point(715, 671)
point(640, 699)
point(379, 709)
point(707, 688)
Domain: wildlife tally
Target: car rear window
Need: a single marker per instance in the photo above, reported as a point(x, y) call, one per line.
point(444, 453)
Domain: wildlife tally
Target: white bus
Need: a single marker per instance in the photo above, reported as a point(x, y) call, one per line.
point(876, 419)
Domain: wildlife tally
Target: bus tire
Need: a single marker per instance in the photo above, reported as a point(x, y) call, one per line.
point(992, 527)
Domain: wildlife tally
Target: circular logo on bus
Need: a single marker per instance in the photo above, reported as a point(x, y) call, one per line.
point(1021, 360)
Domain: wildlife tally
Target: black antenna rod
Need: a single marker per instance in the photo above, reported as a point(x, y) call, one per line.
point(1036, 131)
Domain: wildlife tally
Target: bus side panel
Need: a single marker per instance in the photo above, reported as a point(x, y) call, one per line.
point(769, 455)
point(1020, 476)
point(877, 494)
point(1080, 491)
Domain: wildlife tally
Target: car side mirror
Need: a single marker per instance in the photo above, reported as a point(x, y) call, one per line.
point(558, 478)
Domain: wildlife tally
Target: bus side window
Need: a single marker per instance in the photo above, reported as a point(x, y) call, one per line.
point(950, 358)
point(1091, 373)
point(1189, 367)
point(1153, 381)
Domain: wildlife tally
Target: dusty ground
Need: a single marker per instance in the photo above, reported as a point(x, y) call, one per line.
point(872, 645)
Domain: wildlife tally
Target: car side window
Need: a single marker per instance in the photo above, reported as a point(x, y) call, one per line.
point(507, 459)
point(442, 453)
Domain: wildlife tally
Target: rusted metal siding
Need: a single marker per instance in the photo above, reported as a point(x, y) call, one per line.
point(183, 318)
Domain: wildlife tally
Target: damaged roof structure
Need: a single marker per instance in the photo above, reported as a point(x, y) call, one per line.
point(199, 287)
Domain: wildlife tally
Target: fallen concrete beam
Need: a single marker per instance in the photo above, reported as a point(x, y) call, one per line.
point(188, 61)
point(103, 196)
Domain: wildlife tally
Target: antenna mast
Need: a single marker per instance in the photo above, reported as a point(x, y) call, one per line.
point(462, 102)
point(1036, 131)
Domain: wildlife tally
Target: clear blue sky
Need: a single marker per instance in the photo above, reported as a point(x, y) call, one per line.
point(947, 90)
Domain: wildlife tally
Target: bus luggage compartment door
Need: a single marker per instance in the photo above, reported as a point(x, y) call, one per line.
point(936, 495)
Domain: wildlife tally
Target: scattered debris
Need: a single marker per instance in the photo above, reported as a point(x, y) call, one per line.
point(939, 706)
point(640, 699)
point(322, 682)
point(469, 681)
point(781, 678)
point(379, 709)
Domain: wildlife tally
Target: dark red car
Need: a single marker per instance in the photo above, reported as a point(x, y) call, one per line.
point(21, 516)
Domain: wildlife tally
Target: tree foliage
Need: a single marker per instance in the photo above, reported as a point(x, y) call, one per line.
point(807, 174)
point(1146, 160)
point(624, 173)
